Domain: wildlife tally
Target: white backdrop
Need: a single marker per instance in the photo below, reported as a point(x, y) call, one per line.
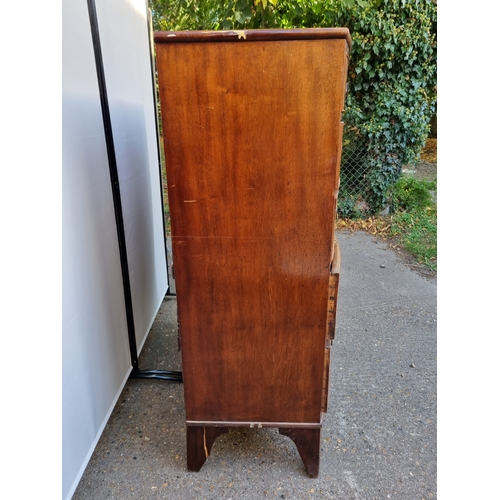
point(96, 356)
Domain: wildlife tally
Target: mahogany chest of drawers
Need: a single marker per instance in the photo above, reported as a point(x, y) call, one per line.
point(252, 135)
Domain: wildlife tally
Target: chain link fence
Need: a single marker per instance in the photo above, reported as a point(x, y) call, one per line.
point(364, 182)
point(354, 169)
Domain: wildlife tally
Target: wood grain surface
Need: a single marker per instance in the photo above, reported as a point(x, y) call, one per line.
point(254, 35)
point(252, 146)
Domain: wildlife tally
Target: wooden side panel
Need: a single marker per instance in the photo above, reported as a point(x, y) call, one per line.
point(326, 380)
point(333, 288)
point(251, 135)
point(331, 318)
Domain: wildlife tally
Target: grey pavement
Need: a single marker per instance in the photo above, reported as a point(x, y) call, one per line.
point(379, 435)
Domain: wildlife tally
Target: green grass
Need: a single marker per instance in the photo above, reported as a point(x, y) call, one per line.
point(412, 224)
point(414, 221)
point(416, 231)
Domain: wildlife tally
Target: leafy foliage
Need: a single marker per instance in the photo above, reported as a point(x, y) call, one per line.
point(410, 194)
point(393, 82)
point(213, 14)
point(392, 71)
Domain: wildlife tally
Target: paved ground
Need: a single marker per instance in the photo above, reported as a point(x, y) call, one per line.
point(379, 436)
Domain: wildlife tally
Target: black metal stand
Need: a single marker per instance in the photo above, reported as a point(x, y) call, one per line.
point(115, 187)
point(173, 376)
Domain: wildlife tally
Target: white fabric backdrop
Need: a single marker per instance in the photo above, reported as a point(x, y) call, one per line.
point(96, 357)
point(126, 56)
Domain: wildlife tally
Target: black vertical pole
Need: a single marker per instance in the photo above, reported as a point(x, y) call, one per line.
point(115, 188)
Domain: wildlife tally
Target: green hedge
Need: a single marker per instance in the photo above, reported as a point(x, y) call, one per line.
point(392, 71)
point(393, 87)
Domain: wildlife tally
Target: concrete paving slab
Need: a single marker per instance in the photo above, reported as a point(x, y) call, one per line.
point(379, 435)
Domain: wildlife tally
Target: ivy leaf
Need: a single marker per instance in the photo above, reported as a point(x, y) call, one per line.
point(347, 3)
point(239, 17)
point(242, 16)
